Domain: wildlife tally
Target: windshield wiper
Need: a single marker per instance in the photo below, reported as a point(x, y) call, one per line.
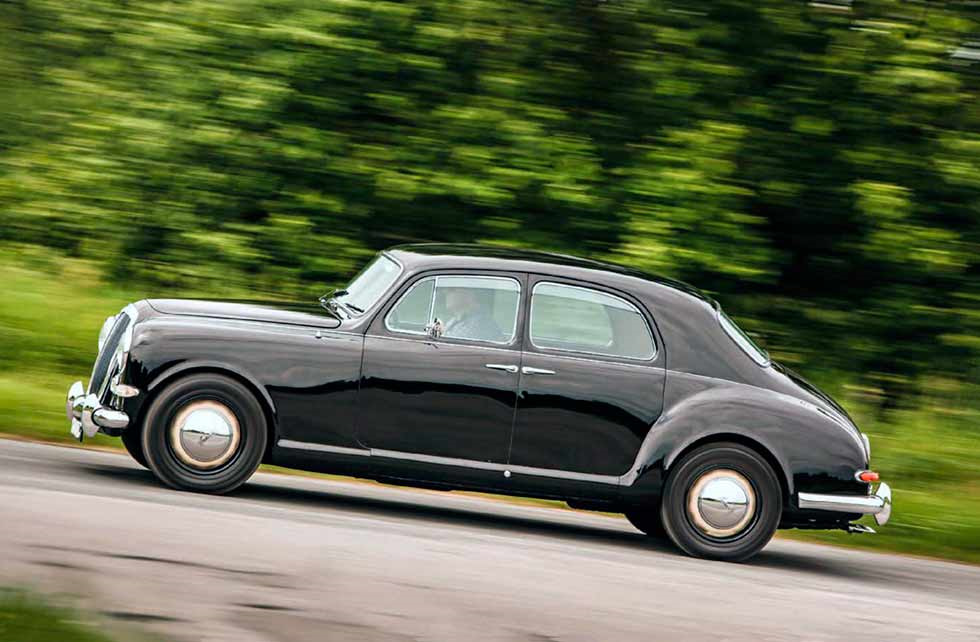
point(330, 305)
point(332, 302)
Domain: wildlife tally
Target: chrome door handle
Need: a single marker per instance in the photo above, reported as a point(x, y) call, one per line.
point(536, 371)
point(502, 366)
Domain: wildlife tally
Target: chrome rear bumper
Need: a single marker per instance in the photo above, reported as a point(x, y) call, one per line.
point(878, 504)
point(87, 414)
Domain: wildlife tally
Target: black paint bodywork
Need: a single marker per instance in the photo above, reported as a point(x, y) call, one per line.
point(351, 397)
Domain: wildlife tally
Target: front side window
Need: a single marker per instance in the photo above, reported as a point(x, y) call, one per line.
point(474, 308)
point(575, 319)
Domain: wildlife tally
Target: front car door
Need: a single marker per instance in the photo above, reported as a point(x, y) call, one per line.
point(453, 396)
point(592, 381)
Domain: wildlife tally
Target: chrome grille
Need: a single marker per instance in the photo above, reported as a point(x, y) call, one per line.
point(102, 364)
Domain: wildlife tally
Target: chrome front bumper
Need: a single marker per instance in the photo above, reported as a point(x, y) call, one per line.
point(87, 414)
point(878, 504)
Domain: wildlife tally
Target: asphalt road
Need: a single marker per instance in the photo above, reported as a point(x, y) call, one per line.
point(289, 558)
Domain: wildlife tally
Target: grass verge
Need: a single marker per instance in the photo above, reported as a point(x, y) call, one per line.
point(27, 618)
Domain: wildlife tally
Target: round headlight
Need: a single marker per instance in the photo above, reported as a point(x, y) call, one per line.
point(106, 329)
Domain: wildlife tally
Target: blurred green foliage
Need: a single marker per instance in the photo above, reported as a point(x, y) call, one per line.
point(813, 165)
point(816, 166)
point(25, 617)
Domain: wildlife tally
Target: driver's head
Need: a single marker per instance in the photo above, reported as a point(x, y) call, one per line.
point(461, 301)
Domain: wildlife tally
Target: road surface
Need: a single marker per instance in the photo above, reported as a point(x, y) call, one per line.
point(296, 559)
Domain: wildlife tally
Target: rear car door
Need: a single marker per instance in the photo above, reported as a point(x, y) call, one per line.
point(592, 380)
point(451, 397)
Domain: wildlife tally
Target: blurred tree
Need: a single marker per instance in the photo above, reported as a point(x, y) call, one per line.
point(814, 165)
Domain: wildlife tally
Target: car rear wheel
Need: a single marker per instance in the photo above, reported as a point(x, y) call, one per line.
point(204, 433)
point(133, 443)
point(722, 501)
point(647, 520)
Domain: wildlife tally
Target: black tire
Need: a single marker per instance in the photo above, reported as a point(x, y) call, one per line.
point(646, 519)
point(162, 456)
point(680, 523)
point(133, 442)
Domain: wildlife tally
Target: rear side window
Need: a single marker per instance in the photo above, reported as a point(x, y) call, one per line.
point(738, 335)
point(576, 319)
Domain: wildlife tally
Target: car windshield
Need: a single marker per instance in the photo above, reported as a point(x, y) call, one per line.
point(758, 355)
point(369, 284)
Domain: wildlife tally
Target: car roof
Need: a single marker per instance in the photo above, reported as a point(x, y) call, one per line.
point(439, 255)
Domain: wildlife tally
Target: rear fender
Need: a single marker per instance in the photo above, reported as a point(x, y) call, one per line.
point(811, 451)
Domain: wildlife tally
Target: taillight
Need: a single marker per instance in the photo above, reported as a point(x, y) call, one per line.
point(867, 476)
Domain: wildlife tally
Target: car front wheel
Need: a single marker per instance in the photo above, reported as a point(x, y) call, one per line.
point(721, 501)
point(204, 433)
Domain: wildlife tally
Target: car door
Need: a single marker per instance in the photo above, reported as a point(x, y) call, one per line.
point(450, 396)
point(592, 380)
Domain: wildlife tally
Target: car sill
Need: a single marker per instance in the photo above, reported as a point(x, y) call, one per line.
point(505, 469)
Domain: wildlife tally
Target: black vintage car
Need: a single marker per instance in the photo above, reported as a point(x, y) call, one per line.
point(515, 372)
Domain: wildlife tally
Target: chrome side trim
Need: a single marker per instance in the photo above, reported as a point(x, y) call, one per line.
point(504, 469)
point(337, 450)
point(879, 504)
point(435, 459)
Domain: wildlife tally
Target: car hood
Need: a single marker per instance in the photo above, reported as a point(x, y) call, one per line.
point(286, 312)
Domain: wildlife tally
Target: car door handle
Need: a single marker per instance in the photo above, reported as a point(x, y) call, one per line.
point(502, 366)
point(536, 371)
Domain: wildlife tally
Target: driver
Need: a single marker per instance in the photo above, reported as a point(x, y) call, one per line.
point(470, 319)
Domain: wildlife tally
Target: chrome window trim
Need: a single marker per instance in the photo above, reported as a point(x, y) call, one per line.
point(559, 351)
point(501, 348)
point(432, 302)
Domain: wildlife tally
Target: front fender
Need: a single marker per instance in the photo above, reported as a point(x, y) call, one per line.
point(811, 450)
point(214, 366)
point(307, 378)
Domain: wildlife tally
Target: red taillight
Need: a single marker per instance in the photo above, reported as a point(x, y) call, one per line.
point(867, 476)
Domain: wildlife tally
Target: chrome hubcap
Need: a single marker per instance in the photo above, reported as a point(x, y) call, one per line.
point(205, 434)
point(721, 503)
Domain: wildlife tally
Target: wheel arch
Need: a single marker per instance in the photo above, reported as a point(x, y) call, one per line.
point(165, 378)
point(782, 474)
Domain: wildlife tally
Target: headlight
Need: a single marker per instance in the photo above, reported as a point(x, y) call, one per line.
point(106, 329)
